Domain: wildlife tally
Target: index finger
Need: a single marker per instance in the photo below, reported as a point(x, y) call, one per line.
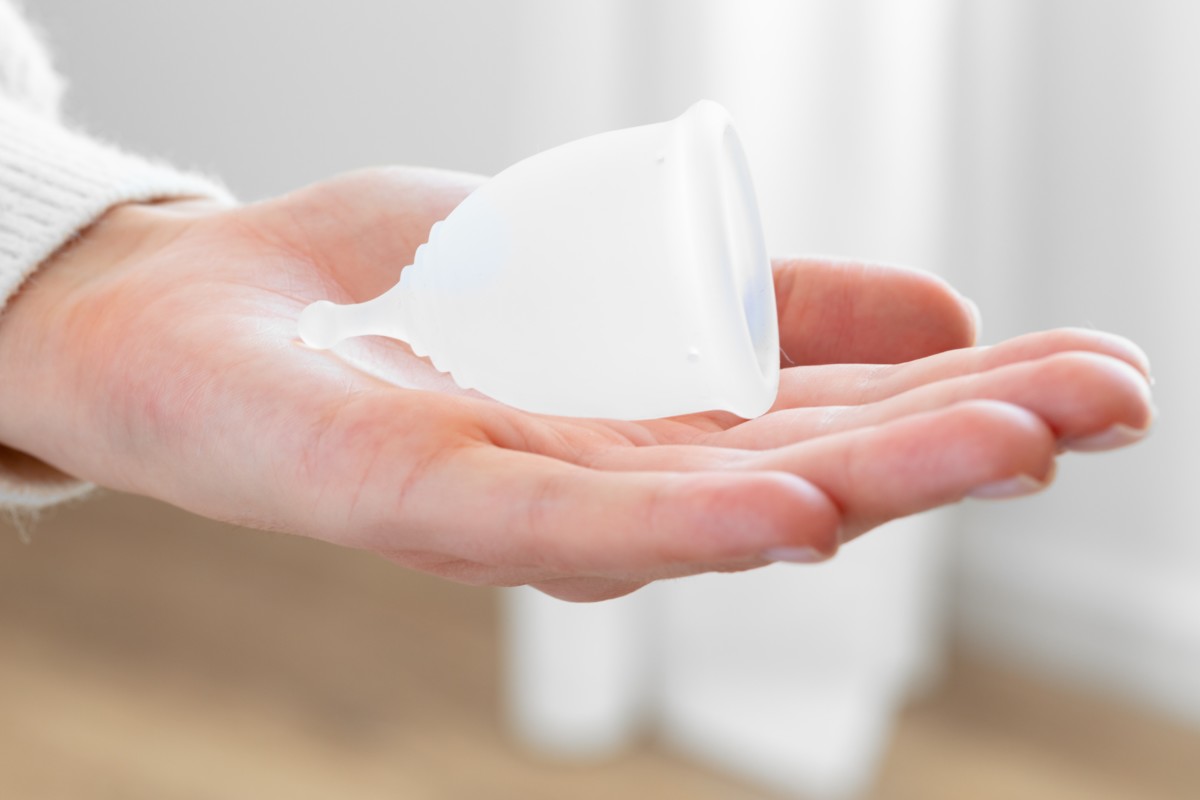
point(846, 312)
point(510, 508)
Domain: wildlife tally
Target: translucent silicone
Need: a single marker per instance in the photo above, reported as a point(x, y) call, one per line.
point(623, 275)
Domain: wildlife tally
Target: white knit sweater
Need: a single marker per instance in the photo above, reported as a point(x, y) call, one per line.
point(54, 182)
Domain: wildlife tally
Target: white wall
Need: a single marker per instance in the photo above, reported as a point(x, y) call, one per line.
point(271, 95)
point(1078, 170)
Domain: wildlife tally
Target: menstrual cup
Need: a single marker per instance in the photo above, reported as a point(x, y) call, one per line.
point(622, 275)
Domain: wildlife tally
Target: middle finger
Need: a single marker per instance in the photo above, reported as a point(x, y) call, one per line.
point(1078, 395)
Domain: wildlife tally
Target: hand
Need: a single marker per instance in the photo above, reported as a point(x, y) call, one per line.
point(158, 355)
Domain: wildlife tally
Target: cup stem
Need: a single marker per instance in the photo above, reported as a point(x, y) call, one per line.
point(323, 324)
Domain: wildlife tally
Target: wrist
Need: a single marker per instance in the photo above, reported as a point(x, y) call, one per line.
point(118, 236)
point(39, 340)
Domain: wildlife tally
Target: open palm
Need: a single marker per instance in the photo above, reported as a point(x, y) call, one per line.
point(177, 374)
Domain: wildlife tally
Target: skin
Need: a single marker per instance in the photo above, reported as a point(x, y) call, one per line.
point(158, 355)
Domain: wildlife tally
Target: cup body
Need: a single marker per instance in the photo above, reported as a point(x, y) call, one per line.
point(622, 275)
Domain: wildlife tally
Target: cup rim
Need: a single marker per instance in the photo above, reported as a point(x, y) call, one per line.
point(730, 250)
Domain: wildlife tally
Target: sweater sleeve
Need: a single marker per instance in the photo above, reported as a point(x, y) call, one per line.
point(54, 183)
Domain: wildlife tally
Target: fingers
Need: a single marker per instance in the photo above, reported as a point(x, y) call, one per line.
point(845, 312)
point(507, 508)
point(928, 460)
point(882, 472)
point(485, 511)
point(855, 384)
point(1079, 395)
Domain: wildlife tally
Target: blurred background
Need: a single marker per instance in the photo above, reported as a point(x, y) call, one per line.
point(1041, 154)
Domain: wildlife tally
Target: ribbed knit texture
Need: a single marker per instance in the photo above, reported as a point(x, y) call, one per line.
point(54, 183)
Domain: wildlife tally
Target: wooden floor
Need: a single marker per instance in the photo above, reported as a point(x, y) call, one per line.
point(145, 653)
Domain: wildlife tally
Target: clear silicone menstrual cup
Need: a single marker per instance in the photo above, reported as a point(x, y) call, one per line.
point(623, 275)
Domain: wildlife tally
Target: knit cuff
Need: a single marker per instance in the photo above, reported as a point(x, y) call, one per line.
point(29, 484)
point(53, 184)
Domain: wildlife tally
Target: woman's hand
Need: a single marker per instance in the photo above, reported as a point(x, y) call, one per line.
point(158, 355)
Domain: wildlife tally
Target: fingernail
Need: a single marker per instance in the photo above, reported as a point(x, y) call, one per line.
point(795, 555)
point(1017, 486)
point(1118, 435)
point(1137, 356)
